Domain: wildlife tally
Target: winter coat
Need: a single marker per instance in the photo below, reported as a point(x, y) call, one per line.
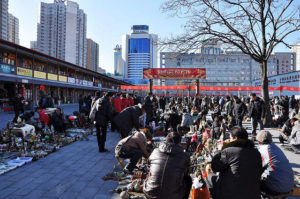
point(129, 118)
point(168, 166)
point(257, 109)
point(117, 104)
point(18, 103)
point(278, 174)
point(104, 111)
point(240, 167)
point(44, 117)
point(137, 141)
point(197, 103)
point(239, 110)
point(294, 138)
point(187, 120)
point(229, 107)
point(125, 103)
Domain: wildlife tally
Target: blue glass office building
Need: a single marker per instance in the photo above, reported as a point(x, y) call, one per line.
point(139, 52)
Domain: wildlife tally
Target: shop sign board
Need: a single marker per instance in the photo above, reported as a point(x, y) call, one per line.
point(78, 81)
point(24, 72)
point(25, 81)
point(39, 74)
point(90, 83)
point(7, 69)
point(174, 73)
point(84, 82)
point(62, 78)
point(52, 76)
point(71, 80)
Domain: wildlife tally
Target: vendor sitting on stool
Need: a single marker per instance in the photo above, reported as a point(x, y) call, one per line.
point(133, 147)
point(57, 120)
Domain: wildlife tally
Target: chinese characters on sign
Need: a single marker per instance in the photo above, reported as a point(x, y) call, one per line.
point(174, 73)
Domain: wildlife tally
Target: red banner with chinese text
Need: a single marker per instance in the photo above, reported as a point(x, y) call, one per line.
point(210, 88)
point(174, 73)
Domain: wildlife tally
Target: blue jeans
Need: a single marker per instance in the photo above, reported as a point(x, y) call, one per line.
point(239, 122)
point(254, 123)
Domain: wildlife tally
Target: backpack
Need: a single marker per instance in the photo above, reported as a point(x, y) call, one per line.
point(94, 110)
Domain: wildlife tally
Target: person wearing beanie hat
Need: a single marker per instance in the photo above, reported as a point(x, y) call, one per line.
point(168, 176)
point(277, 177)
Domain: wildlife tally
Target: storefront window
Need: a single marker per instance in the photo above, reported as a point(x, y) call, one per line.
point(39, 66)
point(62, 71)
point(25, 62)
point(7, 58)
point(52, 69)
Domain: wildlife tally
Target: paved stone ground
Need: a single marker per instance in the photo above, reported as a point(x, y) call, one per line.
point(74, 171)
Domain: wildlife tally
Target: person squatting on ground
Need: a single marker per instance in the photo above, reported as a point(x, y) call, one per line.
point(134, 148)
point(57, 120)
point(294, 139)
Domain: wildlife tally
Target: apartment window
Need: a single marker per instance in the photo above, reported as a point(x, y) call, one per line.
point(39, 66)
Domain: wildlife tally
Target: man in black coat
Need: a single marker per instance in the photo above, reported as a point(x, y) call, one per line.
point(257, 113)
point(57, 120)
point(169, 166)
point(162, 103)
point(18, 104)
point(197, 102)
point(239, 110)
point(240, 167)
point(129, 119)
point(104, 112)
point(149, 107)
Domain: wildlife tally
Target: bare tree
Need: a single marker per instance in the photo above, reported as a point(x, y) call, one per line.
point(255, 27)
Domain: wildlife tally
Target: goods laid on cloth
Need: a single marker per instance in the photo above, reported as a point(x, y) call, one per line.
point(22, 143)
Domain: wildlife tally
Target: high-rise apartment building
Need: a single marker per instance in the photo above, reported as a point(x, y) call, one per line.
point(62, 31)
point(33, 45)
point(139, 50)
point(3, 19)
point(92, 55)
point(118, 62)
point(13, 29)
point(9, 24)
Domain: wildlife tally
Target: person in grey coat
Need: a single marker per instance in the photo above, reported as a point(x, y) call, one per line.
point(186, 121)
point(294, 139)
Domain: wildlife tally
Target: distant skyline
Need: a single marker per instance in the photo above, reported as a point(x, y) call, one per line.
point(107, 21)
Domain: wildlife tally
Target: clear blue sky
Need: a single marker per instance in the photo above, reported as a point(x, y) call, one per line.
point(107, 21)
